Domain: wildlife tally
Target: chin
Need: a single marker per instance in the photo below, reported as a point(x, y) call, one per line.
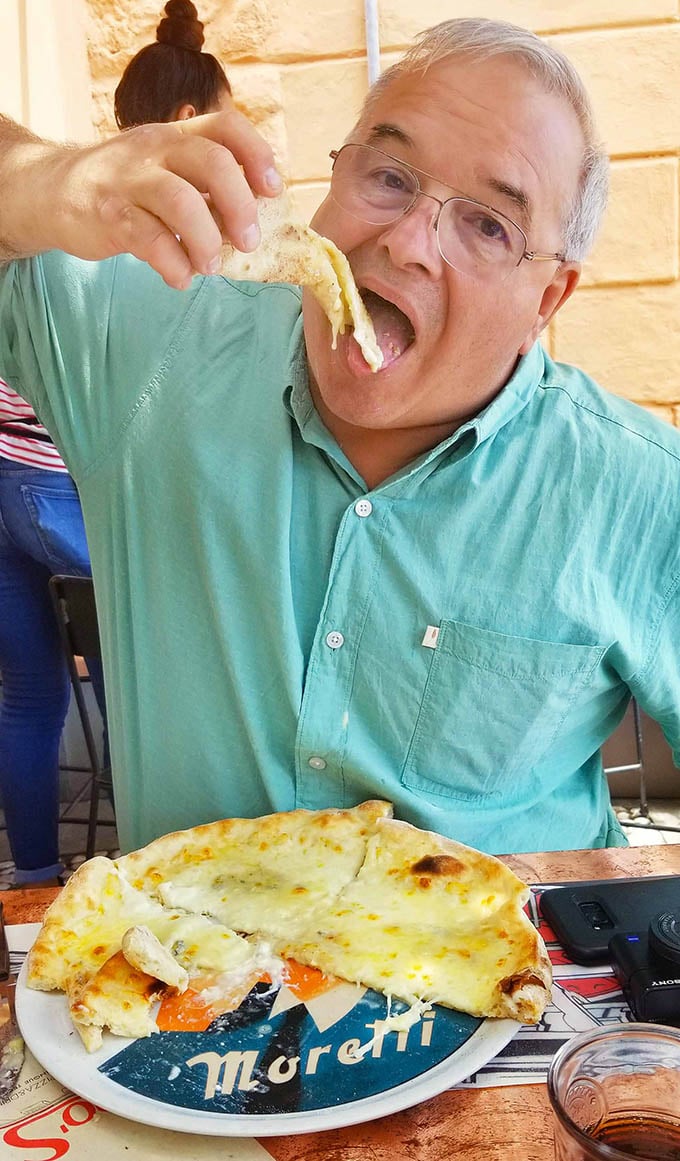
point(368, 401)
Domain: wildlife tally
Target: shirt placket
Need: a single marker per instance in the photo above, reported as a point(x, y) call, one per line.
point(326, 705)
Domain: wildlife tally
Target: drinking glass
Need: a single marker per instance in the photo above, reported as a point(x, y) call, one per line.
point(615, 1094)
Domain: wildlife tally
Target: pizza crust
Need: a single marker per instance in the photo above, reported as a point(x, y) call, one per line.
point(117, 997)
point(144, 951)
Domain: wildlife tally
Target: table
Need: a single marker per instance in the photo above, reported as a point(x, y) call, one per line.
point(495, 1124)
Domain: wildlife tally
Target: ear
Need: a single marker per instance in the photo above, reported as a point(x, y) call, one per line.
point(184, 113)
point(554, 297)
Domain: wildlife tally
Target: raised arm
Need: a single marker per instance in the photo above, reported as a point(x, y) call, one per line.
point(143, 192)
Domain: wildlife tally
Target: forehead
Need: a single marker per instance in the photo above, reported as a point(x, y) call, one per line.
point(479, 126)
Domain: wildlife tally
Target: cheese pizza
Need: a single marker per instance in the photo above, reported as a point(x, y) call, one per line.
point(289, 251)
point(353, 893)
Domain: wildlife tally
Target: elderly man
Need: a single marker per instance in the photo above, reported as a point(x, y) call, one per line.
point(318, 584)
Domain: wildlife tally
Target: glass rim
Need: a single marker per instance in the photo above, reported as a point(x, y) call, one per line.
point(633, 1029)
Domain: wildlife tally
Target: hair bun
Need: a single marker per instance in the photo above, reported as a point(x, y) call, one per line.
point(180, 26)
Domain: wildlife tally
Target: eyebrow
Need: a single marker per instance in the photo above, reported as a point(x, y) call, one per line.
point(516, 195)
point(384, 132)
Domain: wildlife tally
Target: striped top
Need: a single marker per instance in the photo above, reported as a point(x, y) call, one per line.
point(22, 437)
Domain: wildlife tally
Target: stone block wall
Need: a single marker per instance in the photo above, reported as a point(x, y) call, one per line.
point(298, 67)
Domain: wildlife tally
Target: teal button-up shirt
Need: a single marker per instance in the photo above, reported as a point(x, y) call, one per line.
point(459, 640)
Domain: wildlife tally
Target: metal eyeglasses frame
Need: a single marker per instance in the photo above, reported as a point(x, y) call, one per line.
point(528, 255)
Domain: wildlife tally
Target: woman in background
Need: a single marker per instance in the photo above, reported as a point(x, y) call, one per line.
point(172, 79)
point(41, 523)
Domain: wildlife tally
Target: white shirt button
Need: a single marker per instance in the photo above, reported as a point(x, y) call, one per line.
point(335, 640)
point(363, 507)
point(317, 763)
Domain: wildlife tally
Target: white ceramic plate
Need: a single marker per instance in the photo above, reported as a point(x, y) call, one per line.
point(283, 1066)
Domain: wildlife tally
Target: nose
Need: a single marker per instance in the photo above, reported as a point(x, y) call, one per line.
point(412, 239)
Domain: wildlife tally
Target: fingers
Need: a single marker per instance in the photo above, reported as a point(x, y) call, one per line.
point(220, 158)
point(153, 190)
point(201, 167)
point(231, 163)
point(135, 231)
point(236, 133)
point(174, 201)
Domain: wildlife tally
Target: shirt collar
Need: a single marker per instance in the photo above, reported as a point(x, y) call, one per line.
point(510, 401)
point(297, 399)
point(513, 398)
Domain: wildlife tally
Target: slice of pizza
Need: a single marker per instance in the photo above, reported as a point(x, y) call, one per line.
point(427, 918)
point(258, 874)
point(110, 948)
point(118, 997)
point(85, 924)
point(291, 252)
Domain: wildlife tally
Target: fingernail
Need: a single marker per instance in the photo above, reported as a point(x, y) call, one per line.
point(251, 237)
point(213, 266)
point(272, 179)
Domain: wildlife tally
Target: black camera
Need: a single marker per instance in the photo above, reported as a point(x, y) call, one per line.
point(647, 965)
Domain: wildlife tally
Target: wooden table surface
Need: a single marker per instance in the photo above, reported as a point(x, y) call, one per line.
point(493, 1124)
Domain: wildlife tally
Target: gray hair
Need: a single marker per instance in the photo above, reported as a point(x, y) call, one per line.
point(480, 39)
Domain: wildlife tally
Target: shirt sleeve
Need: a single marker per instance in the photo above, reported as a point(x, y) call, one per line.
point(83, 341)
point(657, 686)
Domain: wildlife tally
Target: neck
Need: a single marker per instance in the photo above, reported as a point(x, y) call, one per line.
point(378, 453)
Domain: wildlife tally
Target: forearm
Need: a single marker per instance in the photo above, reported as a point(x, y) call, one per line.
point(28, 169)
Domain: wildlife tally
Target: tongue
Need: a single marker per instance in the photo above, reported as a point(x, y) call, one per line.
point(393, 330)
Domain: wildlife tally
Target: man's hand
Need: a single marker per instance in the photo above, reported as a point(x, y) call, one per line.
point(150, 192)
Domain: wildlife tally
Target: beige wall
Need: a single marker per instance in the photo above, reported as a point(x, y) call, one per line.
point(45, 79)
point(299, 68)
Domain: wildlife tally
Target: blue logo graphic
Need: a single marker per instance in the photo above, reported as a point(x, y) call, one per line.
point(275, 1055)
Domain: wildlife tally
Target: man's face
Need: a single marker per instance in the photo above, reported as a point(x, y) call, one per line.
point(488, 131)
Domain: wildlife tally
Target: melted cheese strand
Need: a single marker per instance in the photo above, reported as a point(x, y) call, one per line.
point(399, 1023)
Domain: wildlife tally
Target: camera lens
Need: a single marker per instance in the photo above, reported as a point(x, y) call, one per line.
point(664, 935)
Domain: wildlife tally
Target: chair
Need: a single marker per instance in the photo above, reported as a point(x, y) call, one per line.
point(75, 610)
point(647, 821)
point(638, 764)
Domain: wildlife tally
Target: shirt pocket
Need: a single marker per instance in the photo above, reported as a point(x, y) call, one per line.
point(493, 705)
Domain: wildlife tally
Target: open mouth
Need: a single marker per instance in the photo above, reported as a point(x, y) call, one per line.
point(393, 329)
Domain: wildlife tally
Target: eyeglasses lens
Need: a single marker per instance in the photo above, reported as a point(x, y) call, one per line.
point(374, 188)
point(371, 186)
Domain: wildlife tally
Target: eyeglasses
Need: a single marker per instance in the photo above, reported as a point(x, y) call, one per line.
point(472, 237)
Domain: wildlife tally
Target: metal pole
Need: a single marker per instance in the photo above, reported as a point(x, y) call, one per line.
point(372, 24)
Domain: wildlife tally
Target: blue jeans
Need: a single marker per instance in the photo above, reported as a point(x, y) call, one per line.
point(41, 533)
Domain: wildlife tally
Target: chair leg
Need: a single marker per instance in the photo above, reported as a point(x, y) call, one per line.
point(644, 803)
point(91, 841)
point(91, 747)
point(75, 612)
